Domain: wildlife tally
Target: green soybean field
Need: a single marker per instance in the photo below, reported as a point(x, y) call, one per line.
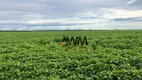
point(39, 55)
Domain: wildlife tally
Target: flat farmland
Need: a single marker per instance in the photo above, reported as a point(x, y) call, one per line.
point(109, 55)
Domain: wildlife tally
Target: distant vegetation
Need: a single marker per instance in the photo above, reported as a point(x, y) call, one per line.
point(113, 54)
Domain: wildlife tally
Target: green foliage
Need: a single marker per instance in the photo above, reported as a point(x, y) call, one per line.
point(44, 42)
point(110, 55)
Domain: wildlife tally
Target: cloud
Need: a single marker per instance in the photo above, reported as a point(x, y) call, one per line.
point(119, 13)
point(66, 21)
point(134, 19)
point(131, 1)
point(70, 14)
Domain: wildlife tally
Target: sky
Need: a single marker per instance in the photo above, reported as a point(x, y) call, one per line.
point(70, 14)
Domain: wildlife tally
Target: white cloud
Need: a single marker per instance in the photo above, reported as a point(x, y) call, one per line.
point(69, 14)
point(131, 1)
point(119, 13)
point(67, 21)
point(9, 21)
point(44, 21)
point(31, 16)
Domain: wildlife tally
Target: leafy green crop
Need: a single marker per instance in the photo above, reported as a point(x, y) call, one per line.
point(110, 55)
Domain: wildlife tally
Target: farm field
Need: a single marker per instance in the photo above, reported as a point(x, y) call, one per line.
point(109, 55)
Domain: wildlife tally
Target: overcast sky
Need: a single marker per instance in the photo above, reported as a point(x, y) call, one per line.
point(70, 14)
